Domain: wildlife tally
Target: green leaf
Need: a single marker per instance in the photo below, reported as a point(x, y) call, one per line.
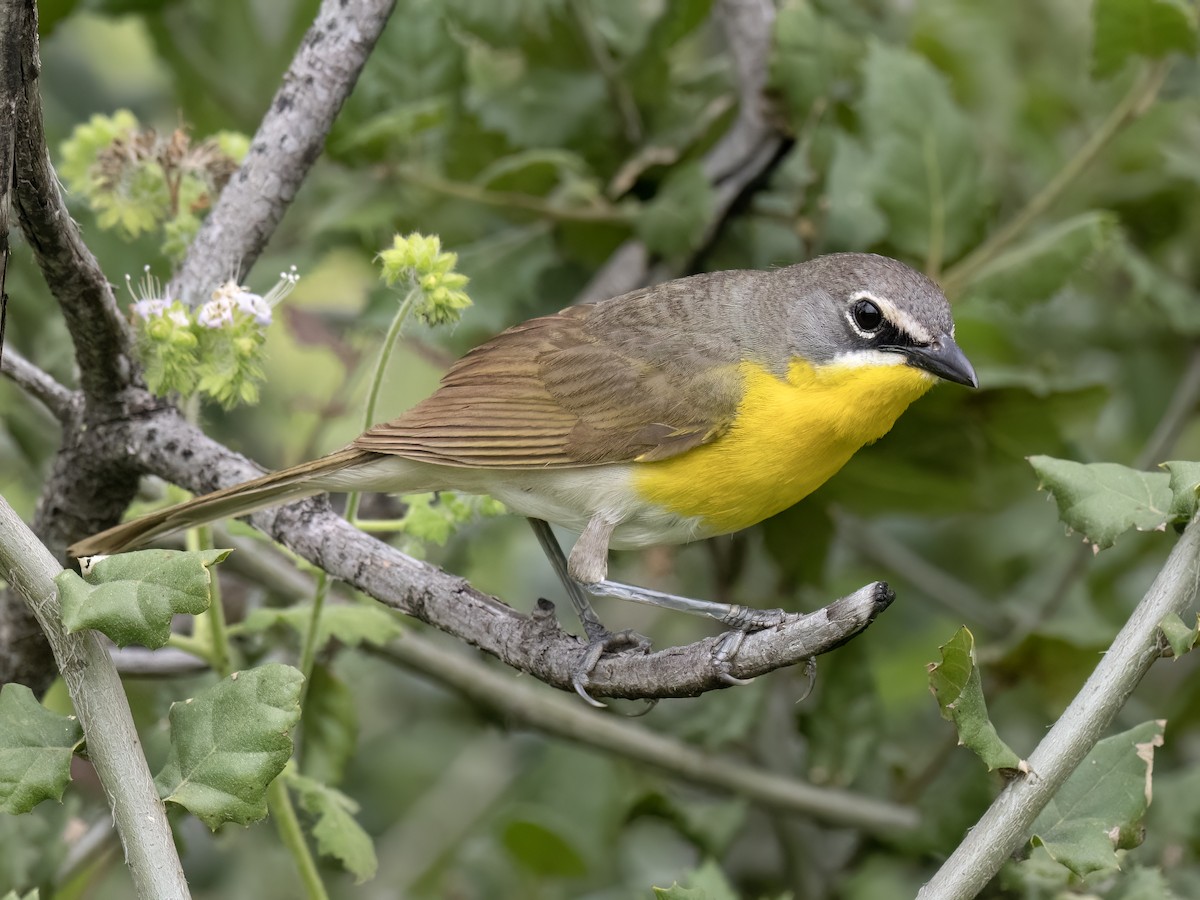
point(1178, 635)
point(707, 882)
point(812, 58)
point(854, 219)
point(1185, 489)
point(131, 597)
point(676, 220)
point(335, 830)
point(956, 684)
point(542, 850)
point(1039, 267)
point(1100, 807)
point(36, 746)
point(925, 167)
point(350, 623)
point(13, 895)
point(229, 742)
point(1104, 500)
point(1151, 28)
point(330, 726)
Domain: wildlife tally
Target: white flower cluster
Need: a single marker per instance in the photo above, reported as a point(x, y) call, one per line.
point(231, 297)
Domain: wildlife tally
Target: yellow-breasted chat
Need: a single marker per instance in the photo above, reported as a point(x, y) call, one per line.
point(693, 408)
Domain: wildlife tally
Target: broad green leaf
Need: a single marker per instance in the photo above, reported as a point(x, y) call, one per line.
point(1178, 300)
point(1151, 28)
point(229, 742)
point(924, 166)
point(675, 221)
point(335, 829)
point(812, 58)
point(1104, 500)
point(542, 850)
point(131, 597)
point(1039, 267)
point(956, 685)
point(1185, 489)
point(13, 895)
point(350, 623)
point(36, 746)
point(1101, 806)
point(854, 220)
point(1178, 635)
point(330, 726)
point(707, 882)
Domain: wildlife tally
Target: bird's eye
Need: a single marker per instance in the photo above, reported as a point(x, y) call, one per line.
point(867, 315)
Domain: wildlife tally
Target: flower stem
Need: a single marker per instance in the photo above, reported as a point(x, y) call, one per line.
point(288, 826)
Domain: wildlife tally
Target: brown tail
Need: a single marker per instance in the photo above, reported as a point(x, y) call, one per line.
point(241, 499)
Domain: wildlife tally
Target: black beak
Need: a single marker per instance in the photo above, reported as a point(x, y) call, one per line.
point(944, 359)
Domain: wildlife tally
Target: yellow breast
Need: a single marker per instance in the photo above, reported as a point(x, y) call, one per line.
point(789, 437)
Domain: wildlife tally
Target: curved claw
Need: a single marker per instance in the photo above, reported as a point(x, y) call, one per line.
point(810, 672)
point(621, 641)
point(725, 650)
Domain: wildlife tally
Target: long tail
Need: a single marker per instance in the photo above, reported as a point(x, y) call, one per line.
point(283, 486)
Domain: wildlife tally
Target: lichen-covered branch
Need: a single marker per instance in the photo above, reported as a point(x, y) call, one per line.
point(288, 142)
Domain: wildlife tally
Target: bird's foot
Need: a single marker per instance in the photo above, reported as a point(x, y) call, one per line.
point(744, 620)
point(601, 641)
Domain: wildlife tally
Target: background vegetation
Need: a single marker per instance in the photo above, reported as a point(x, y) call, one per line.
point(535, 136)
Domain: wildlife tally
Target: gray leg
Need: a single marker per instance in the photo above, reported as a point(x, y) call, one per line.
point(740, 618)
point(600, 639)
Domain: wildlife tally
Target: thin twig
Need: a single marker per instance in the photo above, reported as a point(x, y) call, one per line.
point(287, 143)
point(99, 701)
point(1005, 825)
point(1132, 106)
point(566, 718)
point(40, 385)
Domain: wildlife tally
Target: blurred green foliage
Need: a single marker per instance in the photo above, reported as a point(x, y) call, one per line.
point(534, 136)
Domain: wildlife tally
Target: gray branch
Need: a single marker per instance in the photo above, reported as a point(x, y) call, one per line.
point(103, 711)
point(1004, 828)
point(59, 400)
point(288, 142)
point(101, 338)
point(168, 446)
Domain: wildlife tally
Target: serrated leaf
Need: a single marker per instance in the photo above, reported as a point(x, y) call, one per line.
point(350, 623)
point(1185, 489)
point(1099, 808)
point(1178, 635)
point(707, 882)
point(1039, 267)
point(675, 221)
point(925, 167)
point(335, 829)
point(36, 746)
point(330, 726)
point(956, 685)
point(1104, 500)
point(229, 742)
point(131, 597)
point(1151, 28)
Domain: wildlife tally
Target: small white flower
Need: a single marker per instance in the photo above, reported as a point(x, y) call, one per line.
point(148, 299)
point(217, 312)
point(149, 308)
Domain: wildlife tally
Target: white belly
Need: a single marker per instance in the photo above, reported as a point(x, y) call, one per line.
point(565, 497)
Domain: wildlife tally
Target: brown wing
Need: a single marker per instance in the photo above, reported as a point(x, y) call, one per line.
point(550, 392)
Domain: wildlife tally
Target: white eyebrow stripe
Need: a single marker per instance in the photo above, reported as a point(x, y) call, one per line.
point(898, 317)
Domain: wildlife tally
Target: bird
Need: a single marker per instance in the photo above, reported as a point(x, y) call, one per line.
point(689, 409)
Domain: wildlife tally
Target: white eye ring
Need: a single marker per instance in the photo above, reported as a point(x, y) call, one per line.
point(866, 314)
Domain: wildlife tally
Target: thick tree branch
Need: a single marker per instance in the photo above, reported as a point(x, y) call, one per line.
point(101, 338)
point(742, 155)
point(1004, 828)
point(99, 701)
point(165, 444)
point(288, 142)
